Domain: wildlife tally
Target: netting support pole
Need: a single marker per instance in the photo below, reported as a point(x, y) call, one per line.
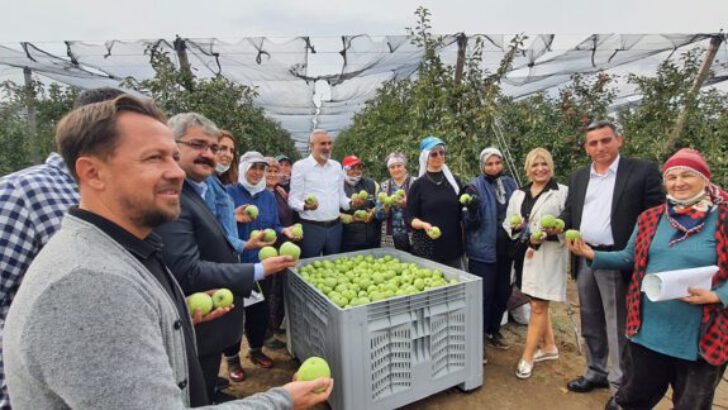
point(692, 94)
point(31, 114)
point(184, 63)
point(460, 64)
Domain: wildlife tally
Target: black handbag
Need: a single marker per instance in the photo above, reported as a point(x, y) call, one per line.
point(402, 242)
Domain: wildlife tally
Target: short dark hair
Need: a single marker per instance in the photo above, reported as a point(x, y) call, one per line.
point(95, 95)
point(91, 129)
point(599, 124)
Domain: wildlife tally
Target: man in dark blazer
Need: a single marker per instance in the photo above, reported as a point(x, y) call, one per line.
point(605, 199)
point(197, 251)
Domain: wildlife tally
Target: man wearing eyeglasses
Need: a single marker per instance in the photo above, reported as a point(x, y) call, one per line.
point(197, 251)
point(605, 199)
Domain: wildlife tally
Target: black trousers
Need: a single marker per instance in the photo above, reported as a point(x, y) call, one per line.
point(496, 290)
point(647, 375)
point(257, 317)
point(210, 368)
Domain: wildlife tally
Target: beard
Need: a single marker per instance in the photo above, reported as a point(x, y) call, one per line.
point(151, 216)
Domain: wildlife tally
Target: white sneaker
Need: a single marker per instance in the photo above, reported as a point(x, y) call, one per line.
point(524, 369)
point(541, 356)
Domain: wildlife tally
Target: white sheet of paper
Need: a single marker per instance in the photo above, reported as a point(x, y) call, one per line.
point(674, 284)
point(255, 297)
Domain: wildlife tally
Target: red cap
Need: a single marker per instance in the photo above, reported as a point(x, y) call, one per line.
point(350, 161)
point(688, 158)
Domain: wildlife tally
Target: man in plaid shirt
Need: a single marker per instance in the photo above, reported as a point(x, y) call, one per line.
point(32, 204)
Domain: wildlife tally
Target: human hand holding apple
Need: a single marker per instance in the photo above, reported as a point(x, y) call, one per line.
point(304, 393)
point(241, 216)
point(257, 240)
point(277, 264)
point(200, 309)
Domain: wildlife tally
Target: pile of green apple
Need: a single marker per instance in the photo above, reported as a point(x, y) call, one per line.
point(222, 298)
point(360, 280)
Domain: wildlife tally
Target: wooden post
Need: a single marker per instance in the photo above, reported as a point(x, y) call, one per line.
point(29, 97)
point(462, 44)
point(693, 93)
point(184, 63)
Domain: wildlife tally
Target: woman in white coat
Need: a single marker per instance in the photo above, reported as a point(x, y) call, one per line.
point(543, 261)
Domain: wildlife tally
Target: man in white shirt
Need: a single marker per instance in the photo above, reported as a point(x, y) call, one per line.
point(604, 201)
point(317, 194)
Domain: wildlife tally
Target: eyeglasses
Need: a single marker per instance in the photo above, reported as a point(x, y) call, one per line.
point(435, 154)
point(200, 146)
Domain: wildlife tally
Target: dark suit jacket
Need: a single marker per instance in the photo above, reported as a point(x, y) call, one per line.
point(637, 188)
point(199, 255)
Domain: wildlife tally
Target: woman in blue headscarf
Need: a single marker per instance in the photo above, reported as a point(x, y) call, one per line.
point(433, 205)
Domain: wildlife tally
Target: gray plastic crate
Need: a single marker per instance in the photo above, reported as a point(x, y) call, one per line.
point(391, 353)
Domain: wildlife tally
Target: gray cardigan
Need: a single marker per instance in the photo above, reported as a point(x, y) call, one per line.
point(91, 328)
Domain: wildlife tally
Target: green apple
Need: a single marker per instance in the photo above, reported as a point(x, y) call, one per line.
point(548, 221)
point(310, 199)
point(363, 195)
point(222, 298)
point(382, 196)
point(297, 231)
point(400, 193)
point(290, 249)
point(313, 368)
point(267, 252)
point(201, 301)
point(254, 233)
point(434, 233)
point(516, 220)
point(572, 234)
point(389, 201)
point(465, 199)
point(538, 235)
point(559, 224)
point(270, 235)
point(251, 211)
point(360, 214)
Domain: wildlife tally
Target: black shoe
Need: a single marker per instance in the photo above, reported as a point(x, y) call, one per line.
point(582, 385)
point(498, 341)
point(275, 344)
point(611, 404)
point(220, 397)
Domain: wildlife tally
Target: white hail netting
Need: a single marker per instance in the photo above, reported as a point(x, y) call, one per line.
point(303, 86)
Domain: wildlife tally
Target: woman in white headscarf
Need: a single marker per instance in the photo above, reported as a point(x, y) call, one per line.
point(395, 232)
point(433, 208)
point(251, 190)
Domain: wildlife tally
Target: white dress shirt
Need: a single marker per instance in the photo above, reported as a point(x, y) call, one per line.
point(325, 182)
point(596, 216)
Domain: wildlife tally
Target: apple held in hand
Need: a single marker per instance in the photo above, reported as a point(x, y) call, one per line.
point(254, 233)
point(434, 233)
point(559, 224)
point(516, 220)
point(313, 368)
point(360, 215)
point(400, 193)
point(389, 201)
point(538, 235)
point(267, 252)
point(465, 199)
point(290, 249)
point(251, 211)
point(548, 221)
point(310, 199)
point(363, 195)
point(201, 301)
point(222, 298)
point(382, 196)
point(572, 235)
point(297, 231)
point(270, 235)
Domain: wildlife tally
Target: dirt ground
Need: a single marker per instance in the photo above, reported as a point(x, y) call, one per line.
point(545, 390)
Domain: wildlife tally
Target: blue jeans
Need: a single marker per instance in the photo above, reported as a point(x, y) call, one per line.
point(319, 240)
point(496, 290)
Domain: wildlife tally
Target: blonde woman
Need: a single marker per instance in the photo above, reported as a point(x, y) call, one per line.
point(541, 264)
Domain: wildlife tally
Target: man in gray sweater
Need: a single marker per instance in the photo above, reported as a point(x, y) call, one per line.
point(98, 321)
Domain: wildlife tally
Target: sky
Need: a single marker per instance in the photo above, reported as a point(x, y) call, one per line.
point(100, 20)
